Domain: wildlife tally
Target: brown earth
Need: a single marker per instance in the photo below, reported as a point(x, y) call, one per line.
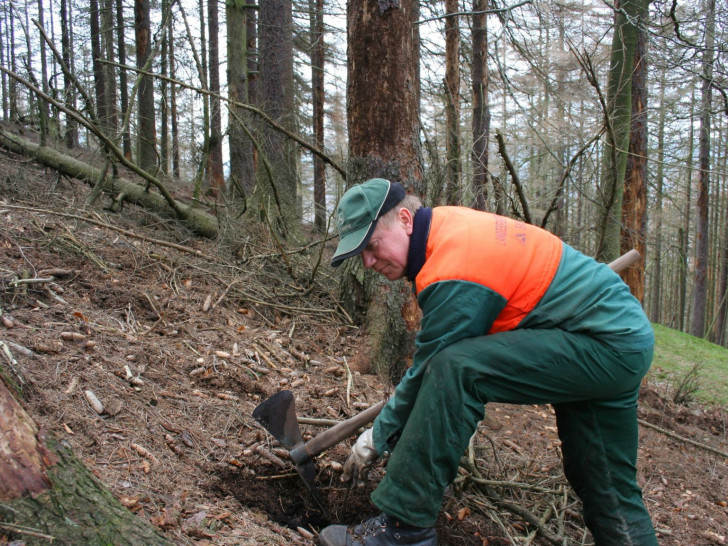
point(180, 347)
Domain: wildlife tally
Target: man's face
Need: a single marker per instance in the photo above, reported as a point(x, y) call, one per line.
point(387, 249)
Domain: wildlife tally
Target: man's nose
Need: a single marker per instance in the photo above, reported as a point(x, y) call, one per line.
point(368, 259)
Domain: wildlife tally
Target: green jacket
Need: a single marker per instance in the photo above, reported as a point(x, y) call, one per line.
point(477, 273)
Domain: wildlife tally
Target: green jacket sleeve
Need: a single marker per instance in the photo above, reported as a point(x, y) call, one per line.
point(451, 310)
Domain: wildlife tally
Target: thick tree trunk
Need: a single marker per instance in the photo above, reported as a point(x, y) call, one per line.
point(242, 168)
point(634, 203)
point(47, 494)
point(618, 120)
point(199, 221)
point(277, 101)
point(383, 142)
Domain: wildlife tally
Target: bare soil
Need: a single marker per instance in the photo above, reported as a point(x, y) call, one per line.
point(180, 347)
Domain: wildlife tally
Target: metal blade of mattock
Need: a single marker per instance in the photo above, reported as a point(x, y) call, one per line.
point(277, 414)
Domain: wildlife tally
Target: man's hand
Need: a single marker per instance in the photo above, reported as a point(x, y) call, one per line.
point(363, 454)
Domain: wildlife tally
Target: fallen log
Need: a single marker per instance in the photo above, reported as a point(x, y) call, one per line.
point(199, 221)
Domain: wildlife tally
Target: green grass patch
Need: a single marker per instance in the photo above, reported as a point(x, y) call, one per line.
point(697, 366)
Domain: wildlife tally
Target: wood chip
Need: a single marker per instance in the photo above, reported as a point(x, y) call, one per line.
point(72, 336)
point(93, 401)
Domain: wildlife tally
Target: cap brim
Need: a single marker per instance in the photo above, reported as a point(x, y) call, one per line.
point(352, 244)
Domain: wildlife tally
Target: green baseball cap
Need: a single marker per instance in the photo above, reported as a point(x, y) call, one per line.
point(358, 211)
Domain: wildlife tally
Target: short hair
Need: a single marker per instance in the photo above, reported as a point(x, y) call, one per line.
point(411, 202)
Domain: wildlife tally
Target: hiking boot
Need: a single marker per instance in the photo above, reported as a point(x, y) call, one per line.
point(382, 530)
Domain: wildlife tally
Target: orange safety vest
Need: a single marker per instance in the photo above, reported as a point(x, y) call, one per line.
point(514, 259)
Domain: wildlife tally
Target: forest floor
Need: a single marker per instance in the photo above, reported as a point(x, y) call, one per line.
point(180, 346)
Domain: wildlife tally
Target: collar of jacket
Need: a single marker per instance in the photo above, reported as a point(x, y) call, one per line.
point(418, 242)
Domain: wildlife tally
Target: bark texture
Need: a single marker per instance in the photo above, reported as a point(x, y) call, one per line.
point(43, 487)
point(634, 202)
point(383, 122)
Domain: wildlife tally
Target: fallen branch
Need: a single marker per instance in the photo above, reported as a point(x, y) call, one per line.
point(682, 438)
point(181, 248)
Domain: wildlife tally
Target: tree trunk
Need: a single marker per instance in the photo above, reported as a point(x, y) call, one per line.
point(173, 103)
point(634, 203)
point(123, 85)
point(107, 51)
point(618, 120)
point(147, 131)
point(481, 108)
point(44, 488)
point(43, 106)
point(277, 101)
point(217, 179)
point(242, 169)
point(383, 142)
point(700, 291)
point(70, 135)
point(316, 7)
point(102, 106)
point(656, 285)
point(164, 92)
point(452, 103)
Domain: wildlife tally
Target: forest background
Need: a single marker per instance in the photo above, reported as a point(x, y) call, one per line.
point(604, 123)
point(189, 280)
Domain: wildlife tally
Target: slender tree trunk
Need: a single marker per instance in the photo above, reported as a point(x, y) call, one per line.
point(251, 26)
point(217, 179)
point(634, 203)
point(147, 132)
point(3, 32)
point(173, 102)
point(71, 130)
point(700, 291)
point(383, 127)
point(43, 106)
point(452, 102)
point(123, 85)
point(481, 108)
point(657, 281)
point(316, 7)
point(202, 177)
point(164, 91)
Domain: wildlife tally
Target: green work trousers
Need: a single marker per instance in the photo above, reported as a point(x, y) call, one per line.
point(593, 389)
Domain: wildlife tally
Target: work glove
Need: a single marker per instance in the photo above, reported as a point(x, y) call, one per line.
point(363, 454)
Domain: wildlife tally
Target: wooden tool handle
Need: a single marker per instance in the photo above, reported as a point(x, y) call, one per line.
point(335, 434)
point(625, 260)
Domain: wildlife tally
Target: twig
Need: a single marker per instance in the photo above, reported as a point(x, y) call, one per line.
point(26, 531)
point(128, 233)
point(683, 439)
point(18, 282)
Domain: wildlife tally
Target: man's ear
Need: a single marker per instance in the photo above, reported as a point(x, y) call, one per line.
point(405, 216)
